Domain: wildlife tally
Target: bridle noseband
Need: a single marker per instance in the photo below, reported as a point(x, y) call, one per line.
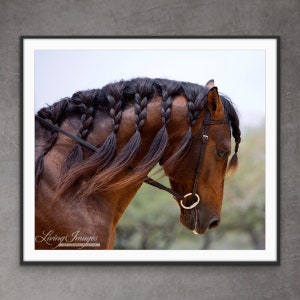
point(205, 128)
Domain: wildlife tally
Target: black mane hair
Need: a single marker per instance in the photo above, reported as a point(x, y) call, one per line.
point(103, 166)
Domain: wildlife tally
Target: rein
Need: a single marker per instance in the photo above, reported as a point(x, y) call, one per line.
point(148, 180)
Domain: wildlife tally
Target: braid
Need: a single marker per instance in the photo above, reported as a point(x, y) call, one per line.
point(166, 107)
point(234, 121)
point(129, 151)
point(236, 132)
point(194, 95)
point(191, 112)
point(39, 163)
point(111, 99)
point(104, 100)
point(82, 103)
point(52, 114)
point(237, 137)
point(140, 108)
point(87, 119)
point(115, 113)
point(160, 141)
point(142, 96)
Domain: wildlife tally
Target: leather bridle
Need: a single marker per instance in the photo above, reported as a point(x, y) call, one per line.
point(205, 129)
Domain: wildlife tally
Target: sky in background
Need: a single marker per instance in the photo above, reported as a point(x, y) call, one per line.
point(240, 74)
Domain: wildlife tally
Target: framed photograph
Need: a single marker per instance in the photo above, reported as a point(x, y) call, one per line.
point(150, 149)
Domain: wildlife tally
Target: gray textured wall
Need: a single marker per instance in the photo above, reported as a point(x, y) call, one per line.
point(147, 17)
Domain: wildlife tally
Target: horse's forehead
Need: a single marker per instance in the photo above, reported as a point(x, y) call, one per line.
point(222, 136)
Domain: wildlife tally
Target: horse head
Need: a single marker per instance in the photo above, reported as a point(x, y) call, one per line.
point(200, 175)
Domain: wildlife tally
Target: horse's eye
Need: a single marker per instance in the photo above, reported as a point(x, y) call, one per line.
point(221, 154)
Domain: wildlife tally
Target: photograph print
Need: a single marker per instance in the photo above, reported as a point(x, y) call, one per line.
point(150, 149)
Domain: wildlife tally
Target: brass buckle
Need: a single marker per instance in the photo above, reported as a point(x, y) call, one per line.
point(204, 138)
point(192, 205)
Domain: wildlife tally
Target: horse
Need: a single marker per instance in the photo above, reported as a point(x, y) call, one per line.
point(94, 150)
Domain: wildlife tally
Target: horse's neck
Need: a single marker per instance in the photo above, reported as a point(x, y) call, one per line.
point(98, 215)
point(101, 211)
point(177, 127)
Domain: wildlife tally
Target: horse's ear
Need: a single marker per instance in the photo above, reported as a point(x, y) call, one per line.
point(215, 105)
point(210, 84)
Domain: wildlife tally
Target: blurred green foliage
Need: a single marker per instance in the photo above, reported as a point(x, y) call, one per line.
point(152, 219)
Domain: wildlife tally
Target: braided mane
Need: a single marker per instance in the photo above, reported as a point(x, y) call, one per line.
point(104, 166)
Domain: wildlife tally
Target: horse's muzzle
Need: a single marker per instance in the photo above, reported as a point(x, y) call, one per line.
point(199, 224)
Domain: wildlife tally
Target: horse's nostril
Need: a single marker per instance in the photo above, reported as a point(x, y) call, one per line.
point(214, 223)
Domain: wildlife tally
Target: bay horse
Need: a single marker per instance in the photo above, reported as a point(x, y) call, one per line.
point(94, 150)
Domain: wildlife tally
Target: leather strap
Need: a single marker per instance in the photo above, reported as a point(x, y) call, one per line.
point(160, 186)
point(68, 134)
point(204, 140)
